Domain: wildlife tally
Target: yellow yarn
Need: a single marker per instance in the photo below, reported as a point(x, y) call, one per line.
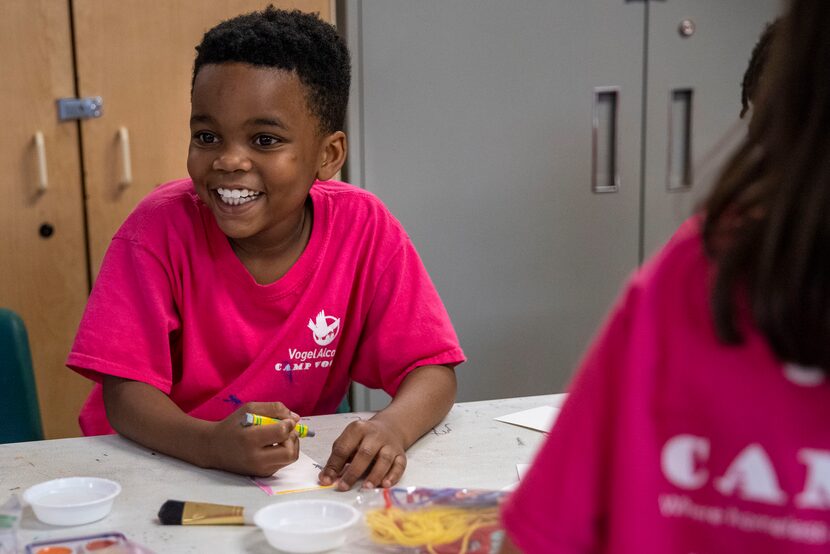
point(429, 527)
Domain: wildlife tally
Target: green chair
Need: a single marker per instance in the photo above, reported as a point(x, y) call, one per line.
point(344, 407)
point(19, 413)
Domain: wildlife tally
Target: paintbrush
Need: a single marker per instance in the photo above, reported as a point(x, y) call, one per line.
point(178, 512)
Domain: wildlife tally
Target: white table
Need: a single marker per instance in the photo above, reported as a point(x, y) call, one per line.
point(468, 449)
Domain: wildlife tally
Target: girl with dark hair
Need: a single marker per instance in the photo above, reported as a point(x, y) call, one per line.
point(698, 419)
point(758, 60)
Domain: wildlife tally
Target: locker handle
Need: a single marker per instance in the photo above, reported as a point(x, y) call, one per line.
point(42, 171)
point(126, 162)
point(605, 176)
point(679, 172)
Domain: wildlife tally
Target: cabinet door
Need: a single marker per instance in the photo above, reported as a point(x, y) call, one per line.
point(138, 55)
point(473, 121)
point(698, 51)
point(43, 275)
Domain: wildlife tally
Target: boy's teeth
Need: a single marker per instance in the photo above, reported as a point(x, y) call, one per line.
point(235, 197)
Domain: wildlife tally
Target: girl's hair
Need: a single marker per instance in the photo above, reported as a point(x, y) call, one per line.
point(767, 220)
point(291, 41)
point(757, 62)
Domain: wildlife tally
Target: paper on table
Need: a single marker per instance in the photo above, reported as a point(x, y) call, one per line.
point(300, 476)
point(521, 469)
point(540, 419)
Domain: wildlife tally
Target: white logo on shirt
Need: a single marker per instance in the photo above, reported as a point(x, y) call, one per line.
point(324, 329)
point(751, 476)
point(804, 376)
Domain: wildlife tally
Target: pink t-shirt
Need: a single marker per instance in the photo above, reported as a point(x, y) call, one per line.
point(671, 442)
point(174, 307)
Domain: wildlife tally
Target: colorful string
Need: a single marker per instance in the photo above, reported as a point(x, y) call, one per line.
point(429, 528)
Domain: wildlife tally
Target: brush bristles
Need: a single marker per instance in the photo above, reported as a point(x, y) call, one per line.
point(176, 512)
point(171, 512)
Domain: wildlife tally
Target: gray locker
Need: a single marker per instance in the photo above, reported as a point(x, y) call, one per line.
point(698, 51)
point(472, 120)
point(508, 139)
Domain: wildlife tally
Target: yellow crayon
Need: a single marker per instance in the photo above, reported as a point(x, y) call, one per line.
point(255, 419)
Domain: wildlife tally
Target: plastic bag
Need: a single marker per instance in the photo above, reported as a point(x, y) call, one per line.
point(9, 522)
point(432, 521)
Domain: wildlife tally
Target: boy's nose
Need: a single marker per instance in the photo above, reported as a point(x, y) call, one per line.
point(230, 160)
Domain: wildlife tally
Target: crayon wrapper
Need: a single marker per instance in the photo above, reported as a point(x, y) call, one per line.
point(255, 419)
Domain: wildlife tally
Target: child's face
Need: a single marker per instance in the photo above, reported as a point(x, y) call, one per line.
point(255, 150)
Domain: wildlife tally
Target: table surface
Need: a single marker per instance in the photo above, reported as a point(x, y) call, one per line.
point(468, 449)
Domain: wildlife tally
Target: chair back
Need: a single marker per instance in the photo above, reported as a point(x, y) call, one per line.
point(19, 412)
point(344, 407)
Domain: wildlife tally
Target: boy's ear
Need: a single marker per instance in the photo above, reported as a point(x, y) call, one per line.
point(332, 155)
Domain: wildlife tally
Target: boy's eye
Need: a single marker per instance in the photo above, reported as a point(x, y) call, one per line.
point(266, 140)
point(206, 138)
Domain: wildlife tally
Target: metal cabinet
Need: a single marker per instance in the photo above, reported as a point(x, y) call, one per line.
point(508, 139)
point(698, 51)
point(473, 122)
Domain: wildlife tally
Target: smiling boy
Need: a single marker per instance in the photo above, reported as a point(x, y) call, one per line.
point(259, 284)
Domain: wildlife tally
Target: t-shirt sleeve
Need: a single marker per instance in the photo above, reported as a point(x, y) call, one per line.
point(560, 504)
point(129, 319)
point(406, 327)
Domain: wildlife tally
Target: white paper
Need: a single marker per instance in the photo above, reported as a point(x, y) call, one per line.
point(539, 419)
point(300, 476)
point(521, 469)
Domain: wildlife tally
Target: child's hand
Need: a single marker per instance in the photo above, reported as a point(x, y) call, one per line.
point(365, 444)
point(258, 450)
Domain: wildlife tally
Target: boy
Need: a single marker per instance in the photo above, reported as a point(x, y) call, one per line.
point(258, 279)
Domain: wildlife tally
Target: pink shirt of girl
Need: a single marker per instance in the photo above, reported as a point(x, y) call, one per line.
point(174, 307)
point(673, 442)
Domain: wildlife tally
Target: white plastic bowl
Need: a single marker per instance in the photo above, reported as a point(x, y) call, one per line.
point(72, 500)
point(306, 525)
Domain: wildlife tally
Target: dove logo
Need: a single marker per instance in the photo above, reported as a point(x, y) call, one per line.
point(324, 329)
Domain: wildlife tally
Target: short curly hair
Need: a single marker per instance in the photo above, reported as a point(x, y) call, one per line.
point(292, 41)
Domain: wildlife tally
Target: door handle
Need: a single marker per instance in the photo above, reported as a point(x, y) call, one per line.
point(42, 171)
point(679, 171)
point(605, 175)
point(126, 162)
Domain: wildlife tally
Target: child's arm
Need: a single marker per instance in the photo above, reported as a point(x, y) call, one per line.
point(423, 399)
point(146, 415)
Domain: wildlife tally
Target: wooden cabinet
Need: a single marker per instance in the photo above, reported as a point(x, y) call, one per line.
point(43, 275)
point(136, 55)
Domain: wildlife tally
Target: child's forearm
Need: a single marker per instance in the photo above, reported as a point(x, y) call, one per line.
point(146, 415)
point(423, 399)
